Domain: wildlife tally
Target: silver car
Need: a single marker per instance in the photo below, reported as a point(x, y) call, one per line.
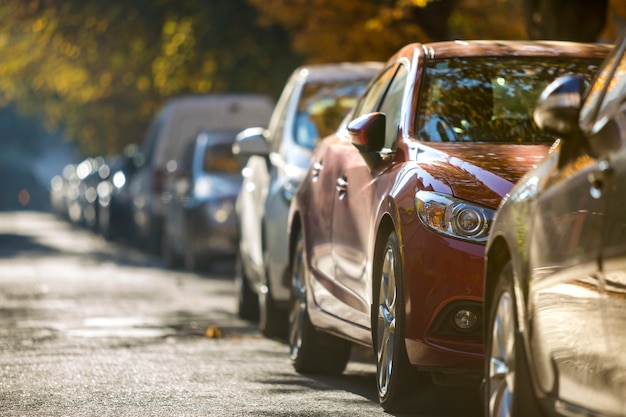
point(312, 105)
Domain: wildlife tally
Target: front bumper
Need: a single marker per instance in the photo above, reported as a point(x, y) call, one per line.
point(442, 275)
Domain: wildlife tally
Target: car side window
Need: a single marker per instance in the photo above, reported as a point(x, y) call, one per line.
point(591, 106)
point(186, 162)
point(277, 123)
point(150, 142)
point(615, 92)
point(371, 99)
point(392, 106)
point(606, 130)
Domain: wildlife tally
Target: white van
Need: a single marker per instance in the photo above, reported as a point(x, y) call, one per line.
point(172, 128)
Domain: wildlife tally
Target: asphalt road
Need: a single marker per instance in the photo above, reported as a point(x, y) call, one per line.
point(94, 328)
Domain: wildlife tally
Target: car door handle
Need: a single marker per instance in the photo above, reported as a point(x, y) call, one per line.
point(341, 184)
point(598, 178)
point(316, 168)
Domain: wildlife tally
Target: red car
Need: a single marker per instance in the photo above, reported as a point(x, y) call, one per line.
point(388, 228)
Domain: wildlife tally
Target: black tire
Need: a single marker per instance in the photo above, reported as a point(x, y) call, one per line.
point(171, 258)
point(190, 260)
point(510, 363)
point(196, 262)
point(247, 299)
point(104, 223)
point(273, 320)
point(310, 351)
point(396, 379)
point(152, 241)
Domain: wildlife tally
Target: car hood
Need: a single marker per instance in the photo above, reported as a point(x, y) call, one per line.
point(480, 172)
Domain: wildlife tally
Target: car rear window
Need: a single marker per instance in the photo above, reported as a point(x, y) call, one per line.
point(489, 99)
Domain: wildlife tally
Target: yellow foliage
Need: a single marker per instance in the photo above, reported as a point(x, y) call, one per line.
point(68, 60)
point(616, 20)
point(39, 25)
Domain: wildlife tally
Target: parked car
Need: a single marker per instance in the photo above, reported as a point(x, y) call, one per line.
point(312, 104)
point(82, 192)
point(555, 285)
point(98, 172)
point(388, 228)
point(171, 129)
point(59, 191)
point(199, 221)
point(114, 199)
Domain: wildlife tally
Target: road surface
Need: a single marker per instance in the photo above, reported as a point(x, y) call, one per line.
point(94, 328)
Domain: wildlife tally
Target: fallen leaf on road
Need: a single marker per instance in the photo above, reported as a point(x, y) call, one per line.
point(213, 332)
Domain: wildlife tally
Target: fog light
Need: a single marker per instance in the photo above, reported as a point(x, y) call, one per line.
point(465, 319)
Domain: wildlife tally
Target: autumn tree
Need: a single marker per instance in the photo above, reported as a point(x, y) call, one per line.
point(99, 70)
point(328, 30)
point(575, 20)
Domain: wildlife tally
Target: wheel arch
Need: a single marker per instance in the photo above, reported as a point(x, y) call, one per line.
point(499, 254)
point(496, 257)
point(385, 227)
point(295, 226)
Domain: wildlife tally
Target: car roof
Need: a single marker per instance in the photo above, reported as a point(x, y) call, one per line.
point(218, 99)
point(338, 70)
point(477, 48)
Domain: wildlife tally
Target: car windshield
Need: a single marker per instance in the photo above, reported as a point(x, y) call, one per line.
point(489, 99)
point(322, 108)
point(219, 158)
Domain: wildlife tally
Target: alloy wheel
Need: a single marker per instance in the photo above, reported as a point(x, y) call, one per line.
point(386, 339)
point(297, 311)
point(502, 358)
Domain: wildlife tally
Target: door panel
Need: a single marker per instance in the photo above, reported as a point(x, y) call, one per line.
point(568, 336)
point(614, 264)
point(320, 183)
point(351, 227)
point(250, 209)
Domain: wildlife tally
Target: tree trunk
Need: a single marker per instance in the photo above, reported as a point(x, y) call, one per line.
point(573, 20)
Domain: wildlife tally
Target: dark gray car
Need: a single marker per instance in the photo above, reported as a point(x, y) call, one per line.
point(199, 202)
point(555, 282)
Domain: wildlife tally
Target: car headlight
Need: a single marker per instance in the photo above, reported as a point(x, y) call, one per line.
point(104, 189)
point(453, 217)
point(119, 179)
point(221, 211)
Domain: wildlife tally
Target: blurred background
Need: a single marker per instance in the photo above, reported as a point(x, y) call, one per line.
point(83, 78)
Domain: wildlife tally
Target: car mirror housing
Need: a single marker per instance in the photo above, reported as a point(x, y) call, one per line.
point(367, 132)
point(558, 107)
point(251, 141)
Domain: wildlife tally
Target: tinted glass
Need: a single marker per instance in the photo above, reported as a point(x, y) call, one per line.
point(218, 155)
point(322, 107)
point(616, 90)
point(371, 99)
point(489, 99)
point(392, 106)
point(599, 86)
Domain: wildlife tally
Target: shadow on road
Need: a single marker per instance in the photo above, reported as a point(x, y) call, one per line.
point(26, 234)
point(14, 245)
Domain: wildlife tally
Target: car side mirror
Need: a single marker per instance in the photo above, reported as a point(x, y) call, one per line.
point(367, 132)
point(558, 107)
point(251, 141)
